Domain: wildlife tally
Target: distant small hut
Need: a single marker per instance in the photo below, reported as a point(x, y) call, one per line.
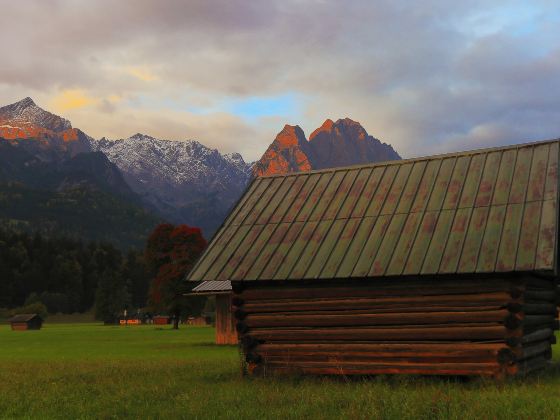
point(24, 322)
point(225, 321)
point(442, 265)
point(161, 320)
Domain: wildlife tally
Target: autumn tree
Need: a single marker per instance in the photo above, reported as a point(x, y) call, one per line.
point(170, 253)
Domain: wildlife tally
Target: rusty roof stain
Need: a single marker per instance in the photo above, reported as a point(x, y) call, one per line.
point(483, 211)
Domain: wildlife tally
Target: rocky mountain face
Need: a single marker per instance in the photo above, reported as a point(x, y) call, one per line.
point(51, 180)
point(180, 181)
point(54, 138)
point(184, 180)
point(334, 144)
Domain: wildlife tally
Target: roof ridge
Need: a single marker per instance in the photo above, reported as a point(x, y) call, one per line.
point(417, 159)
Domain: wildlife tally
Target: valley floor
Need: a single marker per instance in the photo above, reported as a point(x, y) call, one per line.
point(94, 371)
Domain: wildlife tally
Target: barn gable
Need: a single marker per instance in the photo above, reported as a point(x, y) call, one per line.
point(485, 211)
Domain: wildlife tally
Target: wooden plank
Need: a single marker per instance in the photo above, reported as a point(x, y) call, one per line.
point(521, 175)
point(368, 192)
point(491, 240)
point(411, 188)
point(421, 243)
point(404, 245)
point(286, 205)
point(341, 194)
point(507, 252)
point(355, 193)
point(376, 203)
point(394, 194)
point(239, 253)
point(311, 247)
point(261, 259)
point(327, 196)
point(386, 249)
point(371, 247)
point(527, 247)
point(340, 249)
point(456, 184)
point(295, 253)
point(472, 182)
point(438, 242)
point(454, 246)
point(488, 180)
point(426, 185)
point(469, 256)
point(268, 196)
point(537, 176)
point(441, 184)
point(324, 251)
point(248, 205)
point(215, 250)
point(283, 247)
point(301, 198)
point(548, 231)
point(505, 177)
point(356, 246)
point(253, 253)
point(551, 184)
point(314, 197)
point(227, 252)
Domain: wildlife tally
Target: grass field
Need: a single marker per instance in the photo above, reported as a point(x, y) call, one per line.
point(94, 371)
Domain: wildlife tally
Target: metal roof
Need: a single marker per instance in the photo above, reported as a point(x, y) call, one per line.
point(22, 318)
point(212, 287)
point(484, 211)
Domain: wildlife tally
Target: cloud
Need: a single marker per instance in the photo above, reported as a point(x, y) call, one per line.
point(426, 77)
point(71, 99)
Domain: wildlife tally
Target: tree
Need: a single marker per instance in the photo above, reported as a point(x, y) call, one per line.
point(170, 253)
point(111, 297)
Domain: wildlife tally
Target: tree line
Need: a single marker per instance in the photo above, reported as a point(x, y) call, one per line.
point(68, 275)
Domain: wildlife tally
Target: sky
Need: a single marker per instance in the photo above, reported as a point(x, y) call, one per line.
point(425, 76)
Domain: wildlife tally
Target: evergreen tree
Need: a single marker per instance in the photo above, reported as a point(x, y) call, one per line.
point(111, 297)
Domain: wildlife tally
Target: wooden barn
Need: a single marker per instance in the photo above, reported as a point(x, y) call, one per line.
point(225, 322)
point(24, 322)
point(444, 265)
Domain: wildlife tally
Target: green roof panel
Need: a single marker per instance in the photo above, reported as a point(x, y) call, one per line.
point(485, 211)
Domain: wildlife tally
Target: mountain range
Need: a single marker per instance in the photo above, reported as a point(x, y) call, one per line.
point(54, 166)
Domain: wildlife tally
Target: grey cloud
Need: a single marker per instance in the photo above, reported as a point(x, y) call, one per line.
point(415, 74)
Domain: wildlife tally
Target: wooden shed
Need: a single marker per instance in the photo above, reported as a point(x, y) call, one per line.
point(437, 265)
point(24, 322)
point(225, 322)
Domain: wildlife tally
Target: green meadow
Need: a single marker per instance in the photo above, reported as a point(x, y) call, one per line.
point(93, 371)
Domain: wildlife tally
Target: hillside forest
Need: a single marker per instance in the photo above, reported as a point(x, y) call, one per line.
point(49, 274)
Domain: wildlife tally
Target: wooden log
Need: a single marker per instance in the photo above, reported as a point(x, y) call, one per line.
point(373, 290)
point(539, 335)
point(534, 350)
point(486, 369)
point(459, 332)
point(372, 358)
point(298, 320)
point(540, 296)
point(459, 301)
point(540, 308)
point(540, 320)
point(457, 348)
point(530, 365)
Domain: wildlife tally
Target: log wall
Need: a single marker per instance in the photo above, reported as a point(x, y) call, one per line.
point(490, 327)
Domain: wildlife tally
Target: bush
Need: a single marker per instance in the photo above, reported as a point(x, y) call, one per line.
point(33, 308)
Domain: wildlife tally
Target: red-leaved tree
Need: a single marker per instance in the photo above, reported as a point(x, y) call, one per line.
point(170, 253)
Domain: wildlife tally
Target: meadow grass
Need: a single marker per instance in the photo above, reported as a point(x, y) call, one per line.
point(95, 371)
